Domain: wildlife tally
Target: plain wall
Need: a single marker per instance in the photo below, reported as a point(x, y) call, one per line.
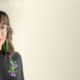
point(47, 35)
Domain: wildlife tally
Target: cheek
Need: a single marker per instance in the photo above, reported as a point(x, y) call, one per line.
point(4, 38)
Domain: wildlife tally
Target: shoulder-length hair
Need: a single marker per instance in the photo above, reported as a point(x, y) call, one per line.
point(4, 17)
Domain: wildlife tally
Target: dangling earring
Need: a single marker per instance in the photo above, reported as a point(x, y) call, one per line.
point(5, 46)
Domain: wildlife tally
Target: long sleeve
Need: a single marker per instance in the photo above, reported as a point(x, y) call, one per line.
point(20, 75)
point(20, 66)
point(21, 69)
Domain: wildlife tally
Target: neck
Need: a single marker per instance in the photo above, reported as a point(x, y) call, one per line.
point(0, 47)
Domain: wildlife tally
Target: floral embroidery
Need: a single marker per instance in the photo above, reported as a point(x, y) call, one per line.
point(13, 67)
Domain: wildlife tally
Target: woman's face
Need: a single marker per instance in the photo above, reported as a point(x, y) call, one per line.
point(3, 33)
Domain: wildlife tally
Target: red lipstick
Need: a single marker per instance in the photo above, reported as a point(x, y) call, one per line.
point(0, 39)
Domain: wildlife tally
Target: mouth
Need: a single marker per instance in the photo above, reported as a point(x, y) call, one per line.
point(0, 39)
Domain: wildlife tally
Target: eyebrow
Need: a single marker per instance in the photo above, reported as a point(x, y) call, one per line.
point(2, 25)
point(2, 22)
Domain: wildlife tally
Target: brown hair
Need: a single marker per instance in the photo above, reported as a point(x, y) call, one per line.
point(4, 17)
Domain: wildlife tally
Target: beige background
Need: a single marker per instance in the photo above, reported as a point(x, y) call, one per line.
point(47, 35)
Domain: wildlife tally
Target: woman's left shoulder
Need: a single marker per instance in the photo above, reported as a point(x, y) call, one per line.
point(17, 56)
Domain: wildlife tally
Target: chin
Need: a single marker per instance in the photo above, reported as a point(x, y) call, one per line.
point(1, 43)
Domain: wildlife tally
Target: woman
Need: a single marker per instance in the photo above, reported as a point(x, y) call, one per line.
point(10, 61)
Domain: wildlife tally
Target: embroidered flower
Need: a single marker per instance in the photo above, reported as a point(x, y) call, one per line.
point(13, 67)
point(13, 73)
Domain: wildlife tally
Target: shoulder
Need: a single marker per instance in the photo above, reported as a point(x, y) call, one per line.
point(17, 56)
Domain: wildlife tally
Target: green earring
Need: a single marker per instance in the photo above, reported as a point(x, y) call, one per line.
point(5, 46)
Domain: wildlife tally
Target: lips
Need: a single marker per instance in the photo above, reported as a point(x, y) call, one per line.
point(0, 39)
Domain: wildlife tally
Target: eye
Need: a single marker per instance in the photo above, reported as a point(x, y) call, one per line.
point(2, 27)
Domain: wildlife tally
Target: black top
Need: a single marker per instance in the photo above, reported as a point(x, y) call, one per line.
point(11, 68)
